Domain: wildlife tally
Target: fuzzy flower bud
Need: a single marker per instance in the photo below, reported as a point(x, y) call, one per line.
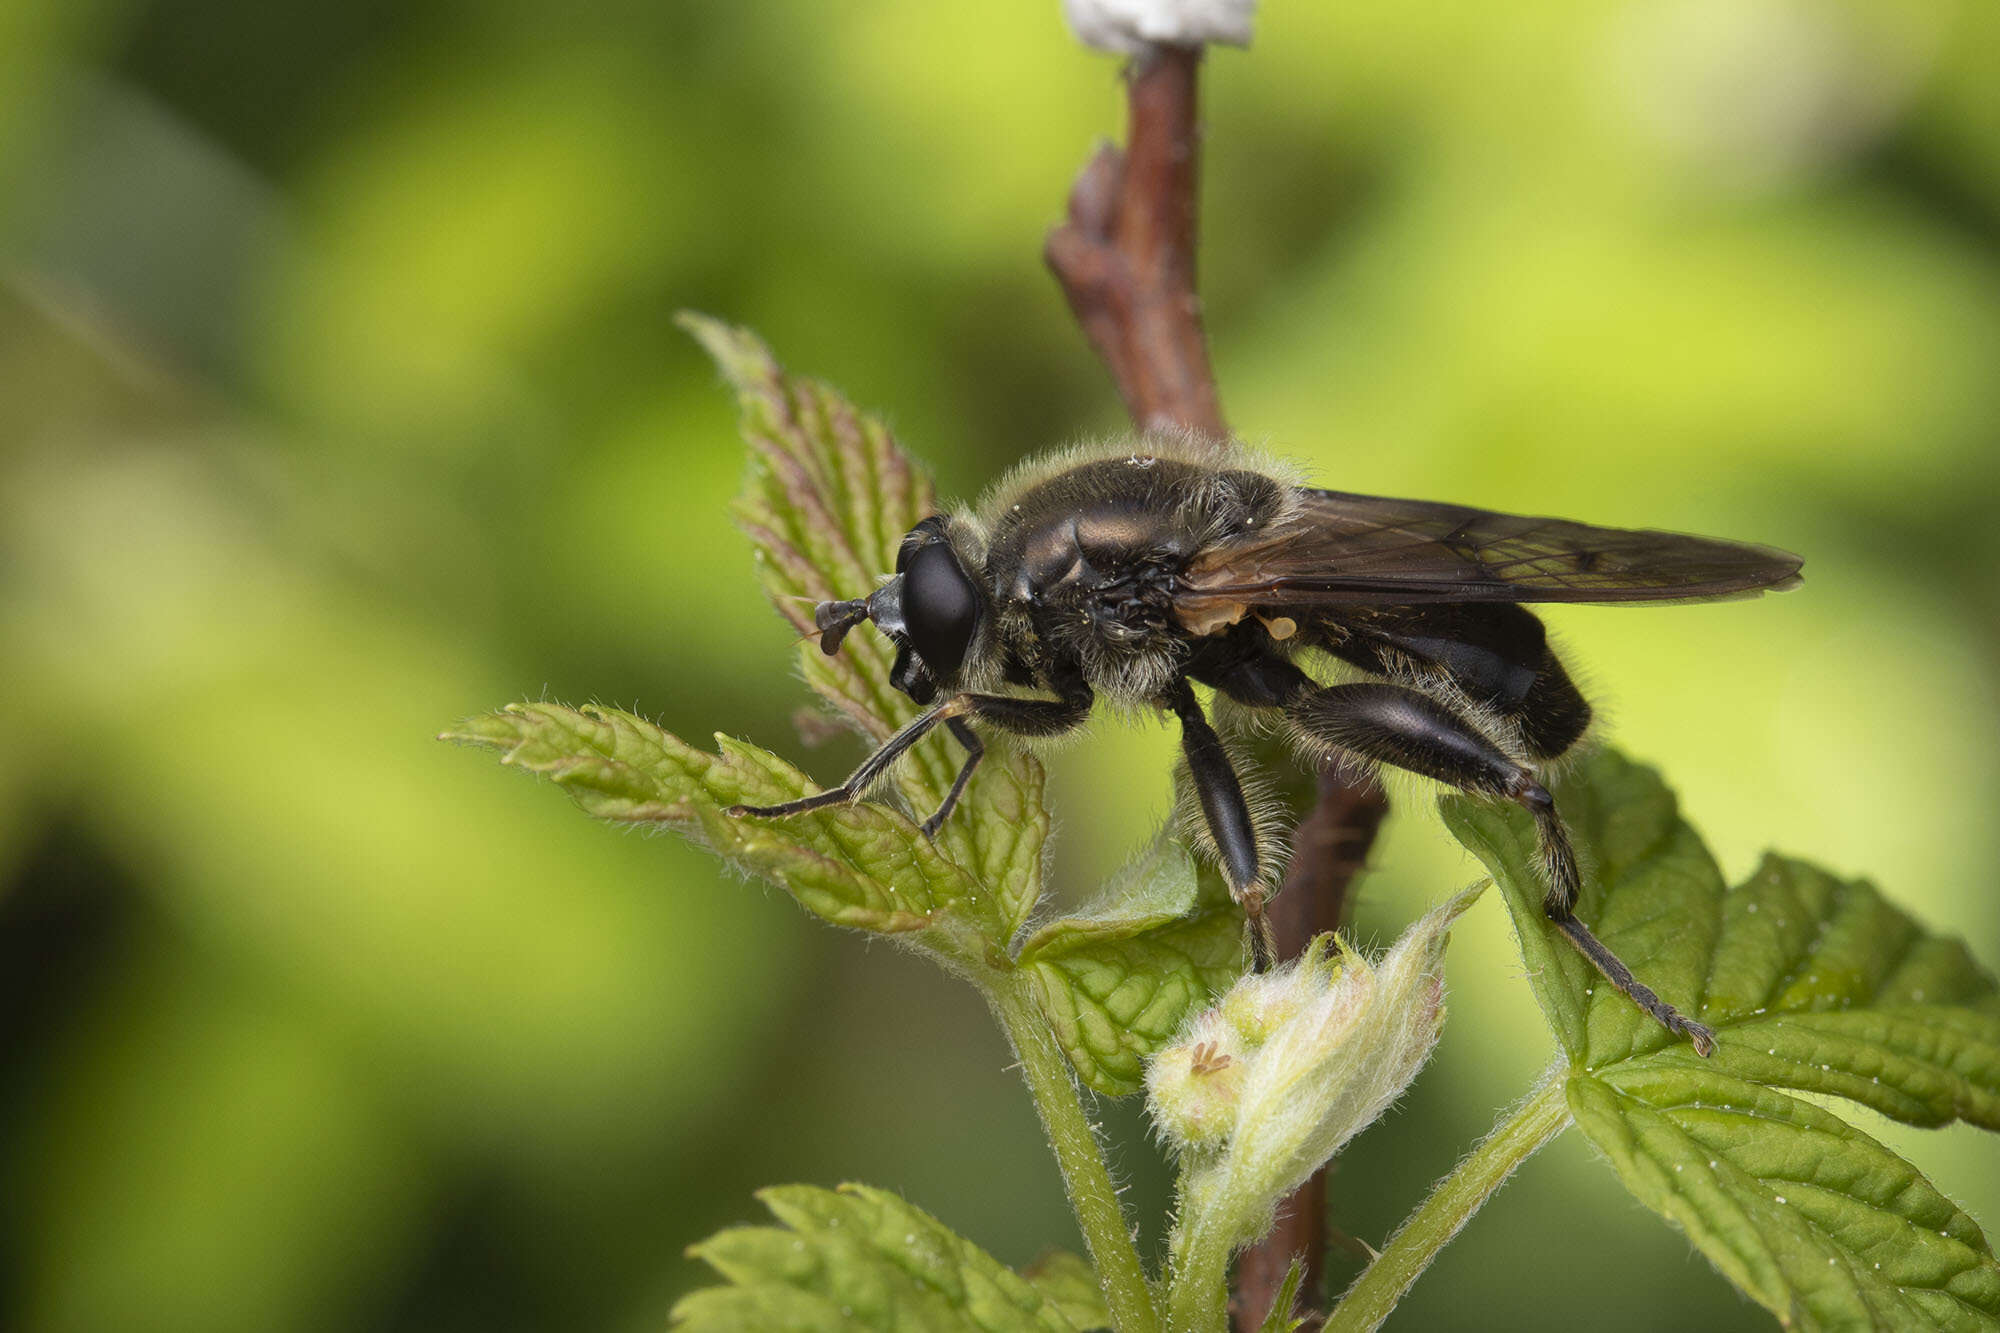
point(1196, 1086)
point(1128, 27)
point(1261, 1003)
point(1315, 1051)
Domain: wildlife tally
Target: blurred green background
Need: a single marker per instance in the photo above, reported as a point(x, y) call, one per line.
point(339, 399)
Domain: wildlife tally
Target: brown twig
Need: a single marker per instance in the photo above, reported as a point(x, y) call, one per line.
point(1125, 257)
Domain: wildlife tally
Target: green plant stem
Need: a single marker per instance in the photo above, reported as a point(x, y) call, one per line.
point(1091, 1194)
point(1537, 1119)
point(1198, 1283)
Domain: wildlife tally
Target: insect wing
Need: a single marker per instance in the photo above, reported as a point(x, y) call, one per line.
point(1342, 549)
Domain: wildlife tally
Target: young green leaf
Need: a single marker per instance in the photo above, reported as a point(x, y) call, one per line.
point(1067, 1280)
point(1281, 1318)
point(1810, 983)
point(860, 1258)
point(1816, 1221)
point(827, 499)
point(862, 866)
point(1154, 889)
point(826, 503)
point(1117, 978)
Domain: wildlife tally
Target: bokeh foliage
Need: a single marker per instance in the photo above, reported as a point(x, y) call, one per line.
point(339, 394)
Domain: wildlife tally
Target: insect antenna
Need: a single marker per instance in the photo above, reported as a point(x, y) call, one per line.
point(834, 619)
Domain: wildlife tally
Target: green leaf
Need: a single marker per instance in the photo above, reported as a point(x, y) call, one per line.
point(1154, 889)
point(827, 500)
point(1812, 984)
point(1816, 1221)
point(1068, 1281)
point(1117, 978)
point(1280, 1318)
point(1650, 894)
point(860, 1258)
point(862, 866)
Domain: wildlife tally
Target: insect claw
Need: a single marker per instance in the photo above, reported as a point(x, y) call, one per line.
point(1263, 938)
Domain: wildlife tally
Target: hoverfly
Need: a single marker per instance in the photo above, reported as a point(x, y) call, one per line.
point(1133, 573)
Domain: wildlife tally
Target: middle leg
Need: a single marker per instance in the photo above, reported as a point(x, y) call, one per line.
point(1228, 818)
point(1394, 724)
point(968, 740)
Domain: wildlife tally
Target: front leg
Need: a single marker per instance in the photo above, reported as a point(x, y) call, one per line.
point(1027, 717)
point(1024, 717)
point(861, 779)
point(1228, 816)
point(1030, 717)
point(974, 752)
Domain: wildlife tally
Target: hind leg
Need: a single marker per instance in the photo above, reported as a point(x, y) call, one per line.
point(1394, 724)
point(1496, 655)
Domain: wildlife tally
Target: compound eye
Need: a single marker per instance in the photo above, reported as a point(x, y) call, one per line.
point(940, 608)
point(917, 538)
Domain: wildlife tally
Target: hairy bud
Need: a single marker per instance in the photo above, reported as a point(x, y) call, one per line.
point(1195, 1086)
point(1269, 1084)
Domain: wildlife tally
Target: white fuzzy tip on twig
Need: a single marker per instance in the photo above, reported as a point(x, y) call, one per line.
point(1131, 27)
